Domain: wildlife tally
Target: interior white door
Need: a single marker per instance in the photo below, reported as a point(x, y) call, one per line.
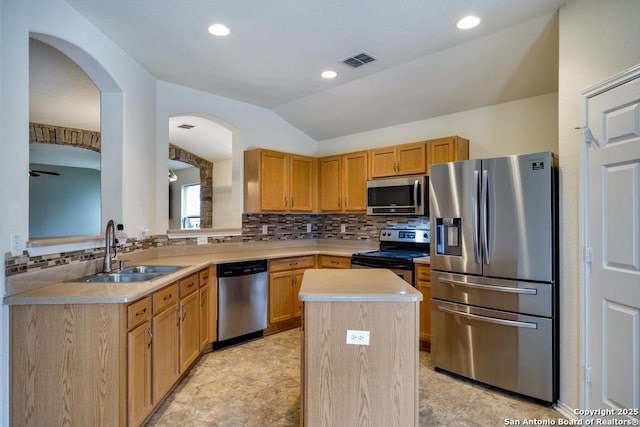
point(613, 235)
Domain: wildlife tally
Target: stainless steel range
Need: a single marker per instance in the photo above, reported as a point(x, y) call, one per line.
point(398, 248)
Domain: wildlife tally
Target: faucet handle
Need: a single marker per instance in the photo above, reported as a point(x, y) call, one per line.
point(122, 262)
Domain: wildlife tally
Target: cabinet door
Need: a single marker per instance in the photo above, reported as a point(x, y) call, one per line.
point(423, 284)
point(301, 183)
point(354, 191)
point(189, 330)
point(330, 172)
point(383, 162)
point(165, 351)
point(139, 373)
point(274, 181)
point(205, 312)
point(280, 296)
point(412, 159)
point(296, 303)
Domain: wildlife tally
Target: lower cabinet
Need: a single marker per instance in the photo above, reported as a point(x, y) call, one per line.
point(165, 348)
point(285, 278)
point(139, 341)
point(423, 284)
point(189, 321)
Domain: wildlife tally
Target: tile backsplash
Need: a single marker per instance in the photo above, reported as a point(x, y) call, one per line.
point(278, 227)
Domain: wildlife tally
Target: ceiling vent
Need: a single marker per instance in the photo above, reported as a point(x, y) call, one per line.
point(357, 60)
point(186, 126)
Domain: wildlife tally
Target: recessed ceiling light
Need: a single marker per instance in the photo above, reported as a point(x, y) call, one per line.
point(219, 30)
point(328, 74)
point(468, 22)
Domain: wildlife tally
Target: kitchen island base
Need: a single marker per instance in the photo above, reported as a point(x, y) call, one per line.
point(348, 380)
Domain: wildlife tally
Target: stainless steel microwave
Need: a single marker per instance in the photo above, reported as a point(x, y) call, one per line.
point(398, 196)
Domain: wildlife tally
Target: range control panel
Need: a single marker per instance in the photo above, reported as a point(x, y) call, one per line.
point(405, 235)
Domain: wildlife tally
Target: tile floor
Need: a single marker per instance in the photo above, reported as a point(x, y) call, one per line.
point(258, 384)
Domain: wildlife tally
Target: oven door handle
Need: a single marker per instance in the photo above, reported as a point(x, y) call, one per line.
point(508, 289)
point(373, 264)
point(503, 322)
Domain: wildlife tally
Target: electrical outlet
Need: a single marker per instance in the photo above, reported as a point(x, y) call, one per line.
point(308, 228)
point(343, 228)
point(357, 337)
point(202, 240)
point(17, 245)
point(264, 229)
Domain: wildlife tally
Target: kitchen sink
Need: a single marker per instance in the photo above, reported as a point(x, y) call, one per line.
point(164, 269)
point(122, 277)
point(136, 273)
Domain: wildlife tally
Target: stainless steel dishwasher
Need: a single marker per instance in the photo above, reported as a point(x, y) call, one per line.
point(242, 298)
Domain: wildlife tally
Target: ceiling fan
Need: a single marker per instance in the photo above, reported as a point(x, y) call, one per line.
point(35, 172)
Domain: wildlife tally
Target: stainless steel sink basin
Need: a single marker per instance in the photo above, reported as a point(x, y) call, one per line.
point(164, 269)
point(122, 277)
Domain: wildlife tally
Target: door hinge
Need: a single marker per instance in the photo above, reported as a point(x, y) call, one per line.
point(587, 374)
point(587, 255)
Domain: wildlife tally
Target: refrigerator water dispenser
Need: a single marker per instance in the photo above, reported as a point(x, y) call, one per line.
point(448, 233)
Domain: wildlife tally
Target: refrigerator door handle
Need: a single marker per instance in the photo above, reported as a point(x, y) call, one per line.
point(508, 289)
point(497, 321)
point(485, 216)
point(476, 222)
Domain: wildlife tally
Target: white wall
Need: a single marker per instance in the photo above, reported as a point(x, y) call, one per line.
point(597, 40)
point(251, 127)
point(522, 126)
point(223, 216)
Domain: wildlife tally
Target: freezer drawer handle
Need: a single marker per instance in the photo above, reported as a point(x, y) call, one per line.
point(508, 289)
point(504, 322)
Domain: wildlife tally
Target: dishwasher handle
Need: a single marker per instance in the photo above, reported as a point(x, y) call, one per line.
point(243, 268)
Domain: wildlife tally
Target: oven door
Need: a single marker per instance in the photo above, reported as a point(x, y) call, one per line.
point(404, 273)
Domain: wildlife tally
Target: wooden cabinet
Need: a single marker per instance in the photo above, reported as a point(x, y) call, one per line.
point(139, 341)
point(405, 159)
point(207, 307)
point(331, 261)
point(448, 149)
point(166, 339)
point(423, 284)
point(189, 321)
point(278, 182)
point(342, 182)
point(285, 278)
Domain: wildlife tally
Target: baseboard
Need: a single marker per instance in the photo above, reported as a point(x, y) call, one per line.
point(566, 411)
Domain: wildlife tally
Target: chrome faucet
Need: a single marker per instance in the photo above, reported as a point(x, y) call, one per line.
point(109, 244)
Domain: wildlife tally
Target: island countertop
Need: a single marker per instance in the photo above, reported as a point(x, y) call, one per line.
point(365, 285)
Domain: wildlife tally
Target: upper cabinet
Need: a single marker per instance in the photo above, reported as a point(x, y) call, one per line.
point(450, 149)
point(342, 182)
point(406, 159)
point(278, 182)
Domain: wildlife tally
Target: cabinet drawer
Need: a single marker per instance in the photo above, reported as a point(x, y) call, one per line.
point(138, 312)
point(188, 284)
point(165, 297)
point(423, 272)
point(204, 277)
point(328, 261)
point(291, 263)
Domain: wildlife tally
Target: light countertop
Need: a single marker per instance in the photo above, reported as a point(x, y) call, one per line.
point(61, 291)
point(359, 285)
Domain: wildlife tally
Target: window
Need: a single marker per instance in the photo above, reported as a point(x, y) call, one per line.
point(191, 206)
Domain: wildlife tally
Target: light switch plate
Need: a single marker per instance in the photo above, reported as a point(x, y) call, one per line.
point(343, 228)
point(308, 227)
point(357, 337)
point(17, 245)
point(264, 229)
point(202, 240)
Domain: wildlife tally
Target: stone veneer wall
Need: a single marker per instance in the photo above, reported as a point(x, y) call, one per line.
point(49, 134)
point(279, 227)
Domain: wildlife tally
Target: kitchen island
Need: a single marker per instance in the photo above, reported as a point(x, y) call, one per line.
point(360, 348)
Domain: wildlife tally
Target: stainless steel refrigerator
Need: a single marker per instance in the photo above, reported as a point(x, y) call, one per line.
point(494, 308)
